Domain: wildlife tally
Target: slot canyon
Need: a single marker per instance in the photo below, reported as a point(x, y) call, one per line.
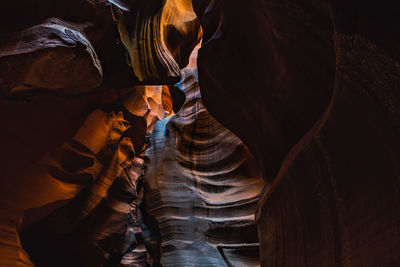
point(200, 133)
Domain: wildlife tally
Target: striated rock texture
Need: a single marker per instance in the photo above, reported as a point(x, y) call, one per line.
point(159, 37)
point(202, 188)
point(87, 187)
point(312, 87)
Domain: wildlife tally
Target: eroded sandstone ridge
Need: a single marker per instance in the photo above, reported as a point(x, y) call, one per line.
point(202, 187)
point(94, 175)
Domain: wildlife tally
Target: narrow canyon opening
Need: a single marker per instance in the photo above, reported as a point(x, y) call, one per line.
point(192, 200)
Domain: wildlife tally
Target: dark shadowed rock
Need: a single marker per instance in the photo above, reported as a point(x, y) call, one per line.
point(312, 89)
point(52, 56)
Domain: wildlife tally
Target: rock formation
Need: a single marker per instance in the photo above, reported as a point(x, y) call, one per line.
point(202, 188)
point(76, 123)
point(159, 37)
point(310, 87)
point(97, 171)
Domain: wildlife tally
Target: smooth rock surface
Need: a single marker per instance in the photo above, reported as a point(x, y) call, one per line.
point(52, 57)
point(312, 89)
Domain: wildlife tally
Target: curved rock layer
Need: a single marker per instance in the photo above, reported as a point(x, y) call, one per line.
point(312, 88)
point(49, 56)
point(75, 125)
point(202, 188)
point(75, 200)
point(159, 37)
point(68, 48)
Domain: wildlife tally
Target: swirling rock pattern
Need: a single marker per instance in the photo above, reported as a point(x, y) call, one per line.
point(159, 37)
point(202, 188)
point(97, 171)
point(311, 87)
point(68, 165)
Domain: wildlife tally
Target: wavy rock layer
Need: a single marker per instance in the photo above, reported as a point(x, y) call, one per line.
point(75, 125)
point(159, 37)
point(312, 87)
point(202, 188)
point(96, 172)
point(80, 191)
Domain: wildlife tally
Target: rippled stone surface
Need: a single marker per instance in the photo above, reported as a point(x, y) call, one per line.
point(202, 188)
point(93, 177)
